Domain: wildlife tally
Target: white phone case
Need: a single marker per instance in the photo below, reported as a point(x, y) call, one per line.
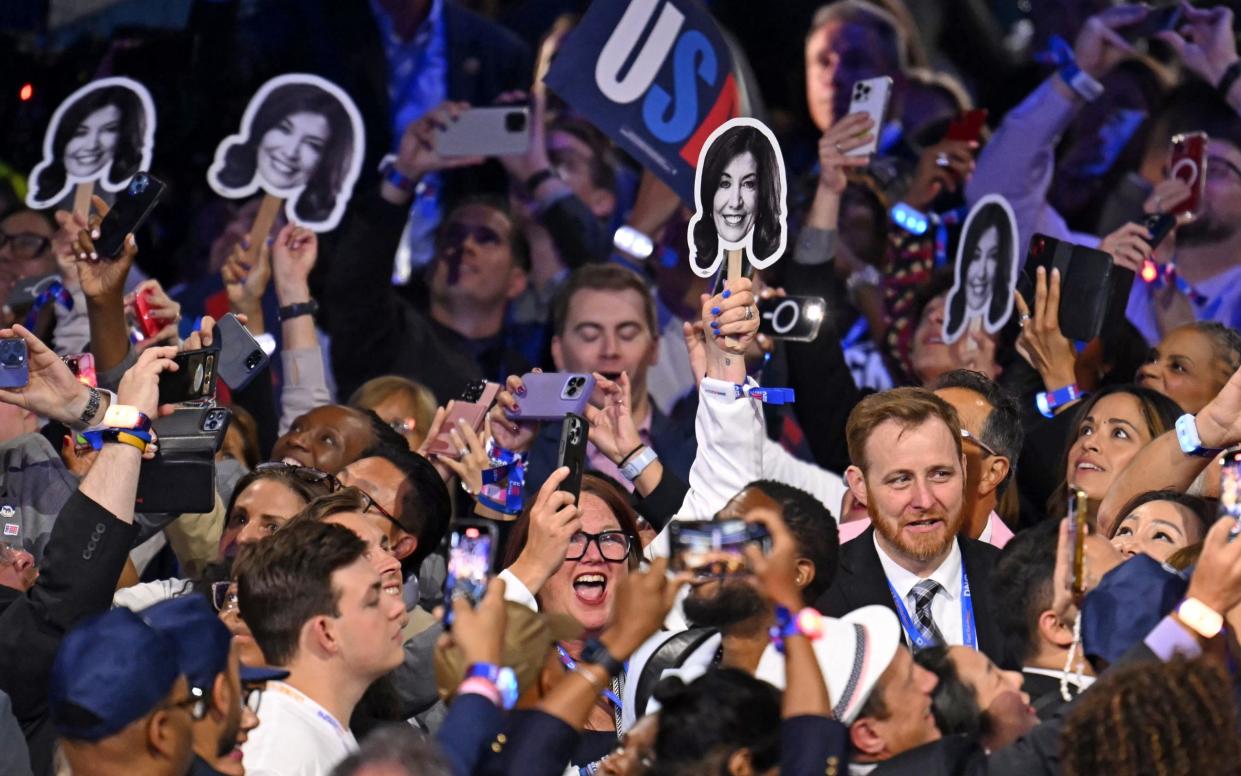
point(871, 97)
point(487, 132)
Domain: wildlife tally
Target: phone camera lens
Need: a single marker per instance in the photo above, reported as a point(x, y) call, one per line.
point(139, 184)
point(515, 122)
point(253, 359)
point(11, 355)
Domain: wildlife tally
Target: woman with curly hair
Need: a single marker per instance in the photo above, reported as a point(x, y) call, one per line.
point(1154, 718)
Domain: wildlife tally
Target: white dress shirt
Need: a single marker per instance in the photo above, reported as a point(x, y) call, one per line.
point(946, 605)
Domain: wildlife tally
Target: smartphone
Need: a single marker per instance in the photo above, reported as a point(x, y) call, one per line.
point(1157, 20)
point(796, 318)
point(1090, 284)
point(194, 378)
point(241, 357)
point(552, 395)
point(128, 213)
point(1160, 225)
point(472, 407)
point(83, 367)
point(1188, 162)
point(714, 548)
point(1078, 531)
point(871, 97)
point(14, 363)
point(181, 477)
point(967, 125)
point(471, 553)
point(501, 131)
point(1230, 491)
point(148, 324)
point(572, 453)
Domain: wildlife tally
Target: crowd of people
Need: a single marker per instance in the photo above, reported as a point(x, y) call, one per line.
point(966, 547)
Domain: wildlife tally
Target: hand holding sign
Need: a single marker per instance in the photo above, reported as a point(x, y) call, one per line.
point(301, 142)
point(985, 275)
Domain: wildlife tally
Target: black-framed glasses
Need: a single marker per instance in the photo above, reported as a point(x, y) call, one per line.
point(307, 474)
point(981, 444)
point(252, 697)
point(613, 545)
point(26, 244)
point(369, 502)
point(224, 597)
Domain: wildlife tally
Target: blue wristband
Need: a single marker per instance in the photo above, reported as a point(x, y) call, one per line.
point(1190, 442)
point(393, 175)
point(1048, 402)
point(504, 679)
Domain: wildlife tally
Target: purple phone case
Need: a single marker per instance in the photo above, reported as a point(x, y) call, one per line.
point(549, 395)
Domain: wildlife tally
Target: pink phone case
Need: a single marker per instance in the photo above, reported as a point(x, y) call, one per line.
point(552, 395)
point(473, 413)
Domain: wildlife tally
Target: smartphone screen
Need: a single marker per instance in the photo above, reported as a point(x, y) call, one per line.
point(1077, 536)
point(1230, 491)
point(470, 548)
point(83, 367)
point(1188, 162)
point(714, 548)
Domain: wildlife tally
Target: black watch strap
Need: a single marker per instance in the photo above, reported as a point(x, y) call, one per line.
point(594, 652)
point(301, 308)
point(1228, 79)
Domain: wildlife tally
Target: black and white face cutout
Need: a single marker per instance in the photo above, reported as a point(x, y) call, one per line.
point(985, 276)
point(739, 190)
point(301, 140)
point(103, 132)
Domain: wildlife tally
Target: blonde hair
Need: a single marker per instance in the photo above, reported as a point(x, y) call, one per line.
point(378, 389)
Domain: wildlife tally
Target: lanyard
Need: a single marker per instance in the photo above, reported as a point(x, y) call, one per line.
point(53, 292)
point(571, 664)
point(921, 640)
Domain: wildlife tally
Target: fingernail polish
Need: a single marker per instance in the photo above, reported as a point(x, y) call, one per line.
point(727, 293)
point(94, 234)
point(715, 324)
point(94, 256)
point(715, 311)
point(517, 408)
point(521, 391)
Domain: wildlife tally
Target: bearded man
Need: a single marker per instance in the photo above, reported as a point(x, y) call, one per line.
point(909, 470)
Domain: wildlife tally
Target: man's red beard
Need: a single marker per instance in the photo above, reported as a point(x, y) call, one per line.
point(918, 547)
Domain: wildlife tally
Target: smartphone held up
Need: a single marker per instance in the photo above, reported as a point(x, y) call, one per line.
point(714, 548)
point(471, 552)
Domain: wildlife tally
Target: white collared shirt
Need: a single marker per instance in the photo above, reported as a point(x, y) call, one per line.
point(946, 605)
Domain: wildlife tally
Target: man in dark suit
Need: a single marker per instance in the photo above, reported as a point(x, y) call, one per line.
point(908, 470)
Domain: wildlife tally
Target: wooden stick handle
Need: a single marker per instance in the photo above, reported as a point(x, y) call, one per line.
point(734, 272)
point(81, 199)
point(268, 210)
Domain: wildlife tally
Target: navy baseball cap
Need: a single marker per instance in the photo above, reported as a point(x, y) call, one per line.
point(110, 670)
point(202, 641)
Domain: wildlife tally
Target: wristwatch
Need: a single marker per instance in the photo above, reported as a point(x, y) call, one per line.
point(594, 652)
point(1204, 620)
point(94, 400)
point(294, 310)
point(1191, 443)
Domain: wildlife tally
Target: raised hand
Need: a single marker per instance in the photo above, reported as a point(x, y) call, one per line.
point(1099, 47)
point(776, 571)
point(1219, 423)
point(162, 307)
point(293, 256)
point(731, 317)
point(612, 429)
point(140, 385)
point(514, 435)
point(469, 469)
point(1129, 246)
point(100, 277)
point(554, 518)
point(246, 278)
point(53, 391)
point(1217, 577)
point(417, 154)
point(1041, 343)
point(479, 632)
point(945, 166)
point(1209, 47)
point(853, 131)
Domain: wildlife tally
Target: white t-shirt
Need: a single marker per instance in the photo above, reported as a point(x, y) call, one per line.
point(295, 736)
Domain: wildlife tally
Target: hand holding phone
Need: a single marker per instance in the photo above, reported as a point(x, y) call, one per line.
point(194, 379)
point(552, 395)
point(871, 96)
point(14, 363)
point(499, 131)
point(572, 453)
point(1230, 491)
point(476, 399)
point(83, 367)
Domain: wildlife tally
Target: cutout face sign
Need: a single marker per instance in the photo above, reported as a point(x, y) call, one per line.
point(103, 132)
point(985, 276)
point(301, 139)
point(739, 193)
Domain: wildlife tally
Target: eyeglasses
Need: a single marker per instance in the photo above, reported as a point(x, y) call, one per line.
point(252, 697)
point(307, 474)
point(224, 597)
point(196, 704)
point(369, 503)
point(984, 446)
point(613, 545)
point(26, 245)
